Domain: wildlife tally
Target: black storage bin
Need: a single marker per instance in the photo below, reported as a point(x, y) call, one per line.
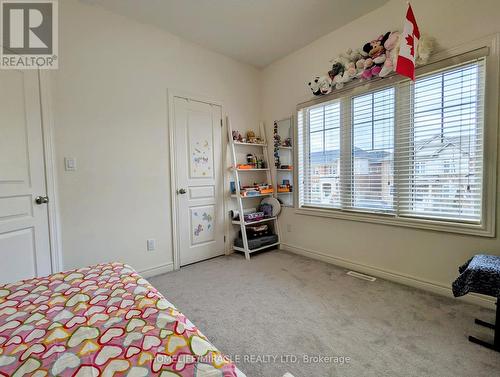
point(255, 243)
point(251, 233)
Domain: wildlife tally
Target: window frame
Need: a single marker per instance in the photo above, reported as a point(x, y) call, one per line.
point(487, 48)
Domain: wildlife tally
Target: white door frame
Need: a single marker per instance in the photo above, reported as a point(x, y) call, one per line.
point(50, 169)
point(171, 94)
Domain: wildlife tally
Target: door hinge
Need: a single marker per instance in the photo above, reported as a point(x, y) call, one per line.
point(224, 238)
point(221, 123)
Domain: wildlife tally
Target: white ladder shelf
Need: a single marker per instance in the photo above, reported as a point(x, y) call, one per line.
point(240, 199)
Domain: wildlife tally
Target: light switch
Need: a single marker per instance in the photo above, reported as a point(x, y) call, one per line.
point(69, 164)
point(151, 245)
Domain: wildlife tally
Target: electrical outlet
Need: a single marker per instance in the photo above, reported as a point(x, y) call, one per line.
point(288, 227)
point(151, 245)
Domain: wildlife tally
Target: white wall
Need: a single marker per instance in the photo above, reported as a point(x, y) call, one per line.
point(111, 115)
point(110, 98)
point(427, 256)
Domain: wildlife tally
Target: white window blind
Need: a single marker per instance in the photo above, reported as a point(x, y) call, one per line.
point(412, 150)
point(440, 162)
point(322, 177)
point(373, 150)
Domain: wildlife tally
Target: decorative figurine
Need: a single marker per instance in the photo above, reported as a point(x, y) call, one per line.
point(251, 136)
point(277, 143)
point(237, 136)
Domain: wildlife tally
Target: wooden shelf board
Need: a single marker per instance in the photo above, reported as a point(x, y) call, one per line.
point(253, 196)
point(249, 144)
point(263, 169)
point(236, 222)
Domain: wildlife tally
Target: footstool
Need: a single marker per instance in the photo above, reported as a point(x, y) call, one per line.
point(481, 274)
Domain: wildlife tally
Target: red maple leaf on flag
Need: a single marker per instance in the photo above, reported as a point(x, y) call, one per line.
point(410, 42)
point(410, 36)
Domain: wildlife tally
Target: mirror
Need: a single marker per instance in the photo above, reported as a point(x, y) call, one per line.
point(285, 131)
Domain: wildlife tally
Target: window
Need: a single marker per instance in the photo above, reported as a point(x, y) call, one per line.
point(373, 150)
point(408, 150)
point(446, 135)
point(323, 155)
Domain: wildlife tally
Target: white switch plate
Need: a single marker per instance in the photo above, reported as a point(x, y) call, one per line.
point(151, 245)
point(69, 164)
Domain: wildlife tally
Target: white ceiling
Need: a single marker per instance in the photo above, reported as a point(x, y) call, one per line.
point(257, 32)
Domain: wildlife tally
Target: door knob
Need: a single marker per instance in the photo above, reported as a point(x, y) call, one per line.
point(181, 191)
point(41, 200)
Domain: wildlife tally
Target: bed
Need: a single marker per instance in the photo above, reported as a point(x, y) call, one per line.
point(104, 320)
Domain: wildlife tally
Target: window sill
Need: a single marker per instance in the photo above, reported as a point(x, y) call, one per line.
point(389, 219)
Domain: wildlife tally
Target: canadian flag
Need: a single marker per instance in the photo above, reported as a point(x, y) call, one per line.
point(405, 64)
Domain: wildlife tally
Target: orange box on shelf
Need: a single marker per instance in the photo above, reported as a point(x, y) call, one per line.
point(242, 166)
point(266, 191)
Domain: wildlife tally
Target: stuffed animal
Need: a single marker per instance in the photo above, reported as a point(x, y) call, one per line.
point(352, 56)
point(251, 136)
point(391, 46)
point(425, 47)
point(350, 70)
point(360, 67)
point(337, 69)
point(321, 85)
point(375, 48)
point(338, 73)
point(376, 56)
point(369, 69)
point(344, 67)
point(350, 73)
point(338, 82)
point(237, 136)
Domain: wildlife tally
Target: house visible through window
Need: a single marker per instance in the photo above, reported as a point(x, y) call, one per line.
point(447, 138)
point(412, 150)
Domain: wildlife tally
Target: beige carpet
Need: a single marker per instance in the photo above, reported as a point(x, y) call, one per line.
point(280, 304)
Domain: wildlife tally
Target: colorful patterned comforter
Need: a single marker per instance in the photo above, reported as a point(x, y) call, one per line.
point(105, 320)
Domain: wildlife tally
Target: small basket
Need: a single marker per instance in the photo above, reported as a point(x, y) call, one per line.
point(255, 216)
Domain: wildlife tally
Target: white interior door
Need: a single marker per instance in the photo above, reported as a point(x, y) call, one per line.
point(24, 230)
point(199, 179)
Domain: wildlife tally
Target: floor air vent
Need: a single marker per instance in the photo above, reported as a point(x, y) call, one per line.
point(361, 276)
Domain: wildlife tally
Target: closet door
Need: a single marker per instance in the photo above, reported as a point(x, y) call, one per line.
point(199, 178)
point(24, 230)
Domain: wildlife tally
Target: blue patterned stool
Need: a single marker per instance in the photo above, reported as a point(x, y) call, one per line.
point(481, 274)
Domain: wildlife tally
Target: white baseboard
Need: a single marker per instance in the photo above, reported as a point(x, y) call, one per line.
point(434, 287)
point(158, 270)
